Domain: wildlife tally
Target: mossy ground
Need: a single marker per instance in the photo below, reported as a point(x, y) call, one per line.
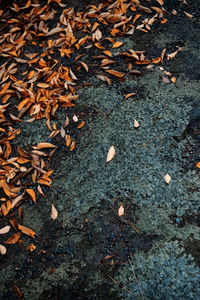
point(87, 192)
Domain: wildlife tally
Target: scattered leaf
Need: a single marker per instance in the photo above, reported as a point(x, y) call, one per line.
point(54, 212)
point(117, 44)
point(27, 231)
point(111, 154)
point(136, 124)
point(14, 238)
point(32, 194)
point(167, 178)
point(2, 250)
point(121, 211)
point(5, 229)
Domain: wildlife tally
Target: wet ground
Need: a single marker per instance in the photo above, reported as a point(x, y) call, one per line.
point(89, 252)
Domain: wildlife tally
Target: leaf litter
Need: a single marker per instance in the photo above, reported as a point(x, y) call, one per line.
point(49, 84)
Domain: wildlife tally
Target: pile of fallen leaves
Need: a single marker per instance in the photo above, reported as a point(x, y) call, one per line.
point(46, 83)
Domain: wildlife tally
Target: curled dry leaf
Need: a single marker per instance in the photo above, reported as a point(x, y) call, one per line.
point(136, 124)
point(121, 211)
point(111, 154)
point(190, 16)
point(2, 250)
point(54, 212)
point(167, 178)
point(5, 229)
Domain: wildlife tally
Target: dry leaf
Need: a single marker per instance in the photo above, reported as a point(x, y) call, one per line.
point(2, 250)
point(198, 165)
point(27, 231)
point(188, 15)
point(32, 194)
point(4, 229)
point(136, 124)
point(14, 238)
point(54, 212)
point(75, 119)
point(111, 154)
point(167, 178)
point(115, 73)
point(45, 145)
point(173, 79)
point(121, 211)
point(117, 44)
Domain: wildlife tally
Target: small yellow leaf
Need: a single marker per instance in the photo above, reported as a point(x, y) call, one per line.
point(121, 211)
point(167, 178)
point(111, 154)
point(54, 212)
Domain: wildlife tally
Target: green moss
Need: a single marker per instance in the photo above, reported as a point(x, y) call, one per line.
point(166, 272)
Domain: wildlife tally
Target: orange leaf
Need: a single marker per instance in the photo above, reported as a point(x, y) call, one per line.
point(31, 247)
point(42, 181)
point(13, 239)
point(99, 46)
point(129, 95)
point(27, 231)
point(81, 124)
point(72, 146)
point(115, 73)
point(5, 187)
point(45, 145)
point(173, 79)
point(198, 165)
point(156, 60)
point(117, 44)
point(32, 194)
point(163, 21)
point(107, 52)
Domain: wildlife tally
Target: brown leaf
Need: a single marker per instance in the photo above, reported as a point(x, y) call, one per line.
point(27, 231)
point(13, 239)
point(111, 154)
point(115, 73)
point(54, 212)
point(45, 145)
point(54, 31)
